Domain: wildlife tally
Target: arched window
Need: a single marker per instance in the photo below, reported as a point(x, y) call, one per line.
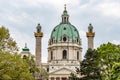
point(64, 39)
point(77, 55)
point(24, 56)
point(51, 55)
point(77, 39)
point(64, 54)
point(65, 19)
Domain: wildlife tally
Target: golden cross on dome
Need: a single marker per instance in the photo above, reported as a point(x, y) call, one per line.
point(65, 6)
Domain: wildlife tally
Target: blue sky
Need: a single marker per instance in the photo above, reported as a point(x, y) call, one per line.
point(22, 16)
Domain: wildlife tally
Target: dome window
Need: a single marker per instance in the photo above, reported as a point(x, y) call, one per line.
point(64, 39)
point(64, 54)
point(64, 28)
point(77, 40)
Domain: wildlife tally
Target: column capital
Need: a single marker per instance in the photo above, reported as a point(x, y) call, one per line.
point(38, 34)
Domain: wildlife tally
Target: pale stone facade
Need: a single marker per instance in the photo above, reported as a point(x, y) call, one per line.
point(60, 68)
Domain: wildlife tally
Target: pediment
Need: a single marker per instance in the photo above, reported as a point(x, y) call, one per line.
point(63, 71)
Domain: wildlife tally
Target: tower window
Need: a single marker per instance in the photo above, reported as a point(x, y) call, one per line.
point(24, 57)
point(77, 55)
point(64, 39)
point(65, 19)
point(64, 54)
point(51, 55)
point(47, 69)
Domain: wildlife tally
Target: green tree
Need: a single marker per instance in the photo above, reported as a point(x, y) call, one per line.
point(6, 41)
point(34, 69)
point(109, 54)
point(43, 73)
point(13, 67)
point(73, 77)
point(30, 61)
point(115, 72)
point(89, 66)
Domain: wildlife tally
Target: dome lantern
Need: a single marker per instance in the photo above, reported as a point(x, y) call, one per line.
point(65, 16)
point(25, 49)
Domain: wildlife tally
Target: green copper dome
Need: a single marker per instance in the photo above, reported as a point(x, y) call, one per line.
point(25, 49)
point(67, 30)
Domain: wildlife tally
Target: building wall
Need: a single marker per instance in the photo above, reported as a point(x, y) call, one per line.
point(58, 66)
point(57, 50)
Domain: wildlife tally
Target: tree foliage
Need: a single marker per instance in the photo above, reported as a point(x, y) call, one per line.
point(73, 77)
point(101, 64)
point(89, 66)
point(13, 67)
point(6, 41)
point(44, 74)
point(109, 54)
point(34, 69)
point(115, 72)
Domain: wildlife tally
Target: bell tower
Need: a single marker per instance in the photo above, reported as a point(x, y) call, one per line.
point(90, 35)
point(38, 35)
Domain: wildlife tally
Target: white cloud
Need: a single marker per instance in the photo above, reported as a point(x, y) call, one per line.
point(49, 2)
point(19, 18)
point(116, 42)
point(82, 33)
point(110, 9)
